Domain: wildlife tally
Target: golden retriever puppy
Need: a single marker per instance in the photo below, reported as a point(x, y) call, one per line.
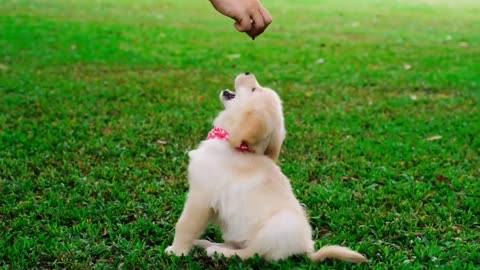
point(236, 184)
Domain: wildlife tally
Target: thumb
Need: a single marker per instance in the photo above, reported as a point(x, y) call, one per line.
point(243, 24)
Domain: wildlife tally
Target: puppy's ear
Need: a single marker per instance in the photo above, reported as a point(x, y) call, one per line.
point(274, 146)
point(250, 129)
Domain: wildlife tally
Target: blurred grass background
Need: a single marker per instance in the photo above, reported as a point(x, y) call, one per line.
point(101, 100)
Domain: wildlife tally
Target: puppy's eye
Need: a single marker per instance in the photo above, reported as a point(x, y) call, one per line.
point(253, 89)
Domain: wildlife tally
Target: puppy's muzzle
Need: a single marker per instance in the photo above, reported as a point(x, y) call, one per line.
point(227, 95)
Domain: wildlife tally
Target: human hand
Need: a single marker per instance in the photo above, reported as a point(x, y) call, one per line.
point(249, 15)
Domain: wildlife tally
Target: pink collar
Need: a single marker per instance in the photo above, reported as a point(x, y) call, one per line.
point(221, 134)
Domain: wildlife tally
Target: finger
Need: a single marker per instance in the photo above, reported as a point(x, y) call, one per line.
point(258, 25)
point(267, 18)
point(243, 24)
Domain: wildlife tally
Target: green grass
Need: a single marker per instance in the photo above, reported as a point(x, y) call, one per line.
point(89, 89)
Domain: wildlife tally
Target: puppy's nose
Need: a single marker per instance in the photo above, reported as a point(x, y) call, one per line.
point(225, 93)
point(247, 73)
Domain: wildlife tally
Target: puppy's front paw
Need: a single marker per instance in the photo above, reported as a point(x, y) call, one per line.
point(176, 251)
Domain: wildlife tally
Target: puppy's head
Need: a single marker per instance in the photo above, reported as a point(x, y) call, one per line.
point(245, 86)
point(253, 116)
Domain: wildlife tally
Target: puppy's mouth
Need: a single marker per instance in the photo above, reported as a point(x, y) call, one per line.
point(228, 95)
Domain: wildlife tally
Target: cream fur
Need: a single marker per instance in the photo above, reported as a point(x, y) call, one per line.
point(246, 194)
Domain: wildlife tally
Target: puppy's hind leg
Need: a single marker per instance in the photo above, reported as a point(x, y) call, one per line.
point(206, 244)
point(244, 253)
point(284, 234)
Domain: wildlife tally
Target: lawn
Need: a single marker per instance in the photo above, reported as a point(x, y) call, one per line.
point(101, 100)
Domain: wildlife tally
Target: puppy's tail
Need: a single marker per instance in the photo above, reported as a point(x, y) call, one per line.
point(337, 253)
